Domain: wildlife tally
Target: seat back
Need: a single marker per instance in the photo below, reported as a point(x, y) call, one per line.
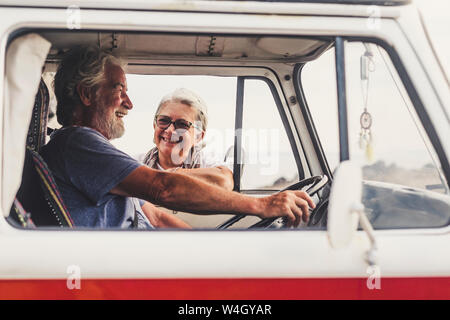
point(39, 195)
point(37, 131)
point(38, 201)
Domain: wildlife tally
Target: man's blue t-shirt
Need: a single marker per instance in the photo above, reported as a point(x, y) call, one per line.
point(86, 166)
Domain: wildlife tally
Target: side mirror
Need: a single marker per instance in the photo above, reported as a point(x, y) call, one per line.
point(344, 204)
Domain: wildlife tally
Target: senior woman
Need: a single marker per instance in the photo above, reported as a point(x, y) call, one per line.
point(180, 124)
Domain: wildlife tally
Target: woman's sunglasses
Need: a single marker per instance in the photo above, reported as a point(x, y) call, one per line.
point(163, 122)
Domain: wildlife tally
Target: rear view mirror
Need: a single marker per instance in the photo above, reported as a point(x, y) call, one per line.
point(344, 204)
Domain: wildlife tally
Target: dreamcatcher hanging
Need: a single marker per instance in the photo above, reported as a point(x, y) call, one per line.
point(365, 136)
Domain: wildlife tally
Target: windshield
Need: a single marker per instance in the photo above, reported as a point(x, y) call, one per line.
point(435, 17)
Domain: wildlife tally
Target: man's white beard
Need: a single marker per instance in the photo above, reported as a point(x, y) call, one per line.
point(111, 127)
point(117, 130)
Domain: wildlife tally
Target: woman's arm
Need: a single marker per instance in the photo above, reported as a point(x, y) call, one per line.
point(161, 219)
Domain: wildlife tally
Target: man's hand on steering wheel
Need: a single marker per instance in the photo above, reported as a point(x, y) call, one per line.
point(290, 204)
point(294, 210)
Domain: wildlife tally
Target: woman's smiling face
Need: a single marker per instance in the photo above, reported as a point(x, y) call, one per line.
point(174, 144)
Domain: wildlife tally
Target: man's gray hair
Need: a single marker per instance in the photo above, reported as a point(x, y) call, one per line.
point(83, 65)
point(189, 98)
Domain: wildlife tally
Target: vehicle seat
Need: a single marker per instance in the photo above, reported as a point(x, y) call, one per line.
point(38, 201)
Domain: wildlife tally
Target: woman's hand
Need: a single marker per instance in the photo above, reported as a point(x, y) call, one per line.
point(161, 219)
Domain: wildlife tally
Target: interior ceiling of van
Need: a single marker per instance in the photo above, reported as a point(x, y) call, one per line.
point(151, 45)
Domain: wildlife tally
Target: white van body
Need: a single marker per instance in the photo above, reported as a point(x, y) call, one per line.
point(241, 264)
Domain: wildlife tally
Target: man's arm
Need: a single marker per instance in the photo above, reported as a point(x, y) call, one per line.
point(220, 176)
point(186, 193)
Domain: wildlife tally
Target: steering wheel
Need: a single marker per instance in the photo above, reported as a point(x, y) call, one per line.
point(316, 183)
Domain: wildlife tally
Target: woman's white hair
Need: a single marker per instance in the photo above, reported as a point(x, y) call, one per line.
point(189, 98)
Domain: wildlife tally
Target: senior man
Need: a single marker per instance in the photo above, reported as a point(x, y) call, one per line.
point(101, 184)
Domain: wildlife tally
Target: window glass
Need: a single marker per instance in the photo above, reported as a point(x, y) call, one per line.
point(394, 148)
point(219, 94)
point(146, 91)
point(403, 184)
point(318, 79)
point(437, 24)
point(269, 162)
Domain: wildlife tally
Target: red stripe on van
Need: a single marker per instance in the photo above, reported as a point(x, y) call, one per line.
point(228, 289)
